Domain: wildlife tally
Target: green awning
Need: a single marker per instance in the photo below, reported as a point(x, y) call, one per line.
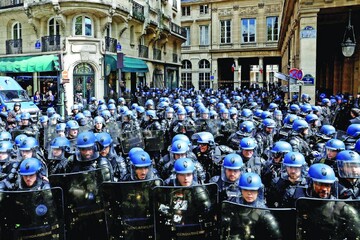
point(44, 63)
point(130, 64)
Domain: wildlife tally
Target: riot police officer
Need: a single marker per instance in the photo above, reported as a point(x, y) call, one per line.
point(290, 184)
point(348, 165)
point(30, 175)
point(332, 148)
point(228, 181)
point(265, 137)
point(252, 163)
point(59, 157)
point(298, 139)
point(184, 173)
point(107, 151)
point(141, 167)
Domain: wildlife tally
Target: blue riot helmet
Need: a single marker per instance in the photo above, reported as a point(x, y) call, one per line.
point(87, 147)
point(101, 102)
point(323, 175)
point(74, 107)
point(300, 125)
point(72, 124)
point(99, 122)
point(149, 104)
point(134, 106)
point(233, 111)
point(204, 113)
point(257, 113)
point(121, 101)
point(87, 114)
point(6, 150)
point(169, 113)
point(134, 150)
point(106, 115)
point(181, 113)
point(325, 102)
point(19, 138)
point(254, 105)
point(357, 146)
point(101, 108)
point(251, 182)
point(248, 143)
point(348, 163)
point(81, 119)
point(30, 166)
point(162, 106)
point(25, 118)
point(111, 101)
point(182, 137)
point(246, 129)
point(93, 99)
point(280, 148)
point(278, 115)
point(326, 132)
point(312, 119)
point(289, 120)
point(295, 97)
point(104, 139)
point(58, 147)
point(141, 165)
point(213, 114)
point(5, 136)
point(212, 101)
point(190, 111)
point(266, 114)
point(184, 166)
point(231, 167)
point(188, 102)
point(28, 147)
point(151, 115)
point(50, 111)
point(224, 113)
point(305, 97)
point(268, 123)
point(111, 107)
point(305, 109)
point(140, 109)
point(205, 138)
point(246, 114)
point(316, 109)
point(80, 107)
point(294, 109)
point(60, 129)
point(220, 105)
point(123, 109)
point(179, 149)
point(272, 107)
point(44, 120)
point(335, 145)
point(353, 130)
point(293, 166)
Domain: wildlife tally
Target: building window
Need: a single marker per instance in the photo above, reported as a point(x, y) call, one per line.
point(204, 9)
point(83, 26)
point(225, 31)
point(16, 31)
point(132, 35)
point(248, 26)
point(53, 27)
point(187, 42)
point(272, 25)
point(204, 74)
point(174, 4)
point(204, 35)
point(185, 11)
point(186, 64)
point(271, 77)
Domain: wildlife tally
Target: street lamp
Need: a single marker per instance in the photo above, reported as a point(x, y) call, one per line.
point(348, 44)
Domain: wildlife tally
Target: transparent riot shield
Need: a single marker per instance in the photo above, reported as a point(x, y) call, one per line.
point(327, 219)
point(32, 214)
point(128, 209)
point(186, 212)
point(244, 222)
point(114, 131)
point(49, 134)
point(154, 140)
point(132, 139)
point(84, 210)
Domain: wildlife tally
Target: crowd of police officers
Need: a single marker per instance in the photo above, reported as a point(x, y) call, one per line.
point(256, 148)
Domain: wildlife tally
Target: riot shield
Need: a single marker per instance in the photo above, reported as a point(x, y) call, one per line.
point(128, 209)
point(32, 214)
point(244, 222)
point(114, 131)
point(186, 212)
point(327, 219)
point(132, 139)
point(84, 210)
point(49, 134)
point(154, 140)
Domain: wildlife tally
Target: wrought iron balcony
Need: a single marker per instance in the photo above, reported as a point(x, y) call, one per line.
point(14, 46)
point(138, 11)
point(175, 58)
point(11, 3)
point(50, 43)
point(157, 54)
point(143, 51)
point(177, 29)
point(110, 44)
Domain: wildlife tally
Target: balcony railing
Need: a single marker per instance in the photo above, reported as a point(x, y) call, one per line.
point(14, 46)
point(177, 29)
point(157, 54)
point(110, 44)
point(175, 58)
point(138, 11)
point(50, 43)
point(143, 51)
point(11, 3)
